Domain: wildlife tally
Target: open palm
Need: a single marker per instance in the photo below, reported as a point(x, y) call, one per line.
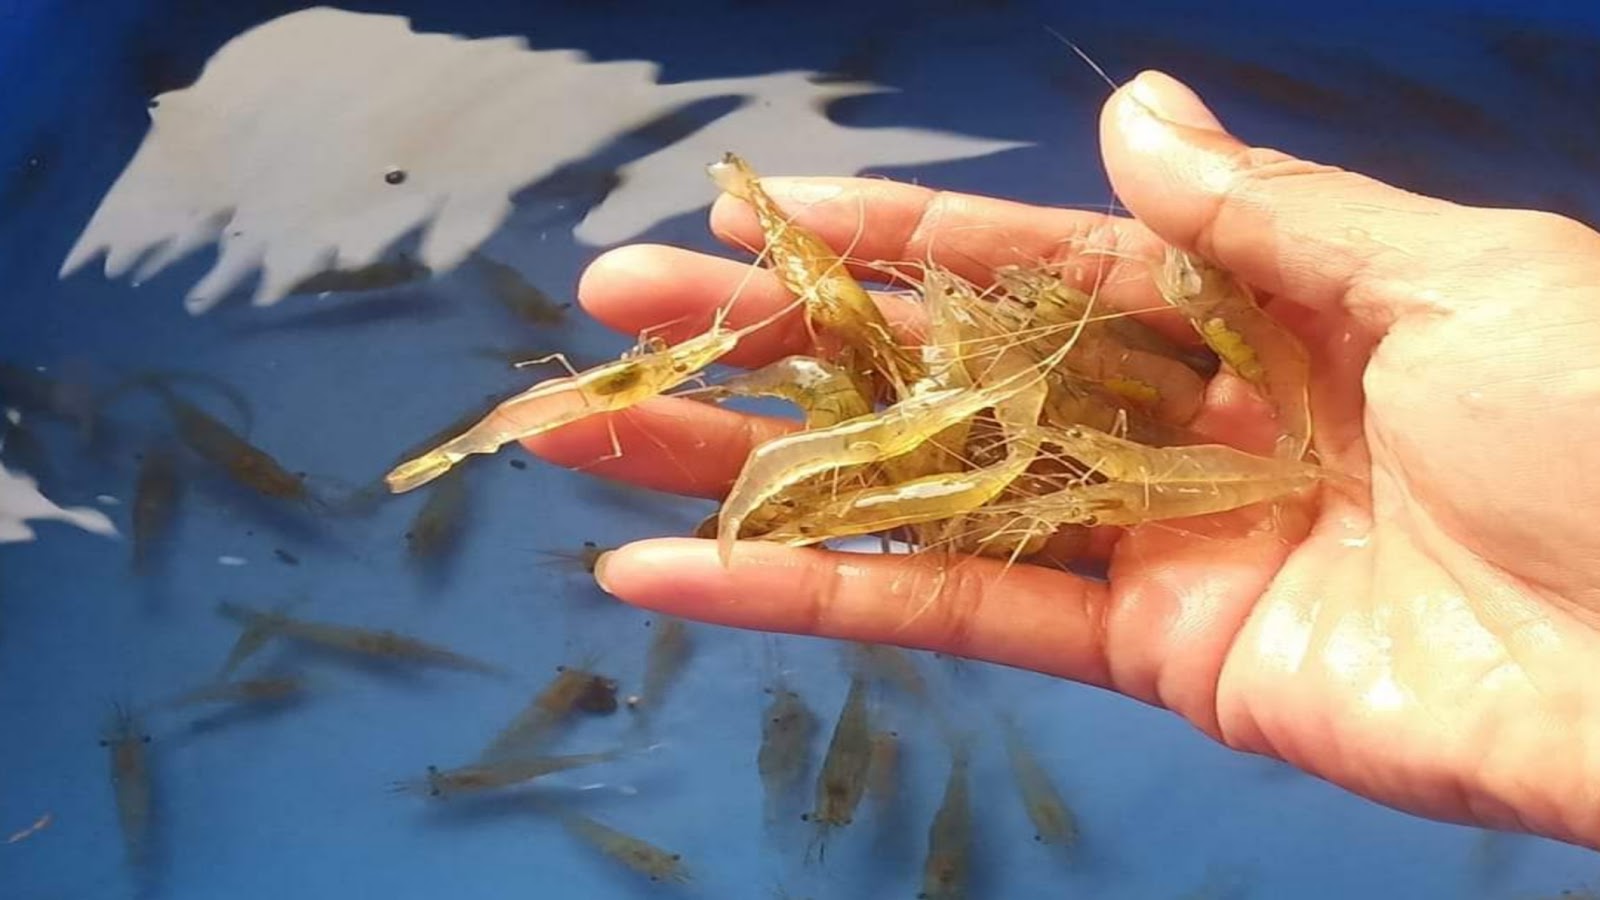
point(1430, 639)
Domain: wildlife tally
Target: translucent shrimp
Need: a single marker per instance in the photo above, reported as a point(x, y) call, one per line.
point(890, 665)
point(786, 460)
point(1053, 821)
point(130, 780)
point(787, 728)
point(826, 393)
point(883, 771)
point(495, 775)
point(944, 875)
point(1252, 343)
point(585, 556)
point(155, 498)
point(611, 387)
point(641, 856)
point(810, 269)
point(669, 652)
point(270, 689)
point(387, 645)
point(438, 523)
point(550, 707)
point(1151, 483)
point(220, 445)
point(844, 769)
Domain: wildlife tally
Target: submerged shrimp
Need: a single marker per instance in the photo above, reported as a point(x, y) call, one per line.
point(518, 295)
point(810, 269)
point(944, 875)
point(568, 691)
point(275, 689)
point(845, 767)
point(787, 729)
point(491, 776)
point(664, 661)
point(438, 523)
point(892, 665)
point(884, 770)
point(1053, 821)
point(385, 644)
point(130, 780)
point(641, 856)
point(586, 556)
point(611, 387)
point(155, 496)
point(1252, 343)
point(219, 445)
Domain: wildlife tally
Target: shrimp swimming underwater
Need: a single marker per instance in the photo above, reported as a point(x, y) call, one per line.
point(130, 780)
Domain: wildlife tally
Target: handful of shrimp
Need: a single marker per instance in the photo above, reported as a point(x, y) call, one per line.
point(1029, 407)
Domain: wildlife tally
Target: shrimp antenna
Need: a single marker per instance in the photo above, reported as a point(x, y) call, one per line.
point(1084, 56)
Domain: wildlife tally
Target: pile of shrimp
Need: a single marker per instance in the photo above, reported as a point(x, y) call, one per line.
point(1026, 410)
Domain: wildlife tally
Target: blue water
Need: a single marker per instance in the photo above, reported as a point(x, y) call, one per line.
point(294, 805)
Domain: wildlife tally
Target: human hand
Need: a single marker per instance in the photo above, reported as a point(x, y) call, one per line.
point(1431, 641)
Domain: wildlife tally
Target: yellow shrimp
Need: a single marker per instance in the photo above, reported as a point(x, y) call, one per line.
point(810, 269)
point(380, 644)
point(1264, 353)
point(941, 495)
point(903, 427)
point(1151, 483)
point(639, 855)
point(494, 775)
point(611, 387)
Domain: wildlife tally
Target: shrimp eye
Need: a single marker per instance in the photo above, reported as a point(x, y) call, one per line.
point(105, 743)
point(561, 668)
point(805, 817)
point(676, 857)
point(145, 739)
point(1038, 838)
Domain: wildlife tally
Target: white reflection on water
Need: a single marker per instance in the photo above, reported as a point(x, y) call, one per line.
point(320, 138)
point(21, 502)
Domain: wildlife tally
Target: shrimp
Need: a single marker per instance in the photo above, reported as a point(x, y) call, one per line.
point(612, 387)
point(903, 427)
point(252, 637)
point(641, 856)
point(891, 665)
point(437, 524)
point(1150, 483)
point(826, 393)
point(155, 496)
point(221, 446)
point(572, 686)
point(385, 273)
point(1252, 343)
point(884, 769)
point(664, 661)
point(787, 729)
point(277, 689)
point(387, 645)
point(944, 875)
point(941, 495)
point(518, 295)
point(810, 269)
point(1053, 821)
point(130, 779)
point(491, 776)
point(844, 768)
point(586, 556)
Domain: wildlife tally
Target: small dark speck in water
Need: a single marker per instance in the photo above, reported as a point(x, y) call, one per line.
point(519, 464)
point(285, 557)
point(395, 176)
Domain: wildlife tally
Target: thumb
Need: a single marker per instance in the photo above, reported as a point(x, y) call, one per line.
point(1316, 234)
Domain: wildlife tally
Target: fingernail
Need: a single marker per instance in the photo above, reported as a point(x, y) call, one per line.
point(801, 190)
point(600, 570)
point(1170, 99)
